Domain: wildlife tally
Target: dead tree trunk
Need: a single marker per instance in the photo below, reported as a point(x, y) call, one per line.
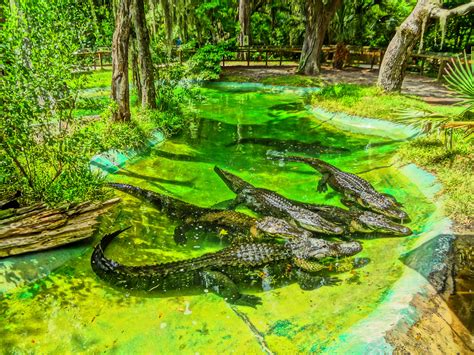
point(392, 69)
point(318, 17)
point(120, 82)
point(38, 227)
point(147, 78)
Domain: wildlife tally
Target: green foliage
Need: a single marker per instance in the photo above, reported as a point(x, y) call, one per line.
point(45, 154)
point(461, 79)
point(205, 64)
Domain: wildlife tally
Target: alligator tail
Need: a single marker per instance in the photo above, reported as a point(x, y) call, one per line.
point(101, 265)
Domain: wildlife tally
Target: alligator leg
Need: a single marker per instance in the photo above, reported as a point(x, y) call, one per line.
point(323, 183)
point(237, 201)
point(308, 281)
point(222, 285)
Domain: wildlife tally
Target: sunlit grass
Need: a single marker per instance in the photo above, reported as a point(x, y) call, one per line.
point(370, 101)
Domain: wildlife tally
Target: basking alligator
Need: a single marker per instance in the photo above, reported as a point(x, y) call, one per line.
point(213, 220)
point(358, 221)
point(354, 188)
point(222, 270)
point(270, 203)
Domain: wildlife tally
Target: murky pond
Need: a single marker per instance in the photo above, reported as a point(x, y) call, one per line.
point(236, 128)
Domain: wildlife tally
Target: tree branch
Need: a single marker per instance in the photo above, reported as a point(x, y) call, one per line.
point(438, 12)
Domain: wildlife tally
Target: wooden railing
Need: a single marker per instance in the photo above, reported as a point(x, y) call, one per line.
point(265, 55)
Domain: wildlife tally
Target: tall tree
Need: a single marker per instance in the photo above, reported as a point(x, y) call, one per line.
point(147, 81)
point(244, 20)
point(392, 69)
point(318, 16)
point(120, 41)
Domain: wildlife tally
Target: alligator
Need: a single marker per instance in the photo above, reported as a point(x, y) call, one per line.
point(290, 145)
point(221, 271)
point(358, 220)
point(270, 203)
point(237, 225)
point(355, 189)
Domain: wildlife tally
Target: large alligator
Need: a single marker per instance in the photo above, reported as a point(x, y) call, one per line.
point(213, 220)
point(270, 203)
point(358, 221)
point(355, 189)
point(223, 270)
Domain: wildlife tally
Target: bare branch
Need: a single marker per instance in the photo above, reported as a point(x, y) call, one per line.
point(438, 12)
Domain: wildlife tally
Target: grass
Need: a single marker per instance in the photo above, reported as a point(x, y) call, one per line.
point(99, 79)
point(370, 101)
point(288, 80)
point(453, 169)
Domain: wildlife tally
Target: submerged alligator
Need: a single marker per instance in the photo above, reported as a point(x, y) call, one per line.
point(270, 203)
point(355, 189)
point(290, 145)
point(223, 270)
point(213, 220)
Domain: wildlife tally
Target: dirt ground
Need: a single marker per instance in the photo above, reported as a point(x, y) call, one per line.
point(429, 89)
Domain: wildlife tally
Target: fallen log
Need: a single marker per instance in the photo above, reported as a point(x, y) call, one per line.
point(37, 227)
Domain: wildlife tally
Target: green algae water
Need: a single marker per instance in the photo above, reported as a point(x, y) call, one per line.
point(236, 127)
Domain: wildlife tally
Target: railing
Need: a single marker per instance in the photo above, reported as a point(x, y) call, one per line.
point(265, 55)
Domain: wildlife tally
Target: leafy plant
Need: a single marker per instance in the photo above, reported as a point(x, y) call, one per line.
point(460, 78)
point(45, 154)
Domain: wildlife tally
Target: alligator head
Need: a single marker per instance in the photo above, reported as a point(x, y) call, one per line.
point(373, 222)
point(272, 226)
point(382, 204)
point(232, 181)
point(313, 248)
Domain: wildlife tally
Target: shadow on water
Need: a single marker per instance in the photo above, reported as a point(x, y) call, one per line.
point(126, 172)
point(447, 263)
point(295, 107)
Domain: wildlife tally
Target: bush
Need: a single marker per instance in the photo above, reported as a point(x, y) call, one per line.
point(206, 63)
point(44, 151)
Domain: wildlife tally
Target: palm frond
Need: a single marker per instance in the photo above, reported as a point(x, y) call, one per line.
point(460, 78)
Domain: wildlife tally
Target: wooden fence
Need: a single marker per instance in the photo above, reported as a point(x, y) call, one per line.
point(270, 55)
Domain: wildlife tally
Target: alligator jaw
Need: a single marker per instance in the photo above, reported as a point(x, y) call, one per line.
point(232, 181)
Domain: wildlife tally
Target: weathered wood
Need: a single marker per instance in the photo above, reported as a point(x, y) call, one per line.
point(38, 227)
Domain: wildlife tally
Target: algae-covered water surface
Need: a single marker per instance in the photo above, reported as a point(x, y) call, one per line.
point(236, 127)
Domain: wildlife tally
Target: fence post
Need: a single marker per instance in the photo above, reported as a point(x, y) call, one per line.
point(442, 64)
point(281, 56)
point(248, 56)
point(100, 60)
point(266, 57)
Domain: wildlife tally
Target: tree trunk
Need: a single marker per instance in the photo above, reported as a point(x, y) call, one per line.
point(392, 69)
point(168, 17)
point(136, 68)
point(318, 17)
point(244, 21)
point(120, 89)
point(147, 78)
